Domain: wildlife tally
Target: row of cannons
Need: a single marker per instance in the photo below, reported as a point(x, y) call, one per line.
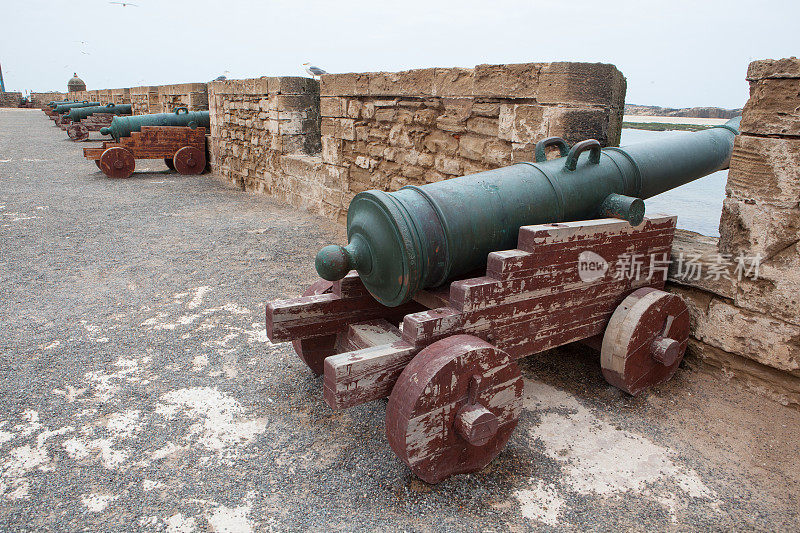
point(178, 138)
point(442, 288)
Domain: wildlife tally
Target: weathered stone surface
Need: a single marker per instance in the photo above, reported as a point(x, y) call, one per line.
point(691, 263)
point(349, 84)
point(514, 81)
point(522, 123)
point(752, 227)
point(776, 289)
point(717, 322)
point(783, 387)
point(580, 83)
point(773, 108)
point(766, 170)
point(453, 82)
point(418, 82)
point(774, 68)
point(578, 124)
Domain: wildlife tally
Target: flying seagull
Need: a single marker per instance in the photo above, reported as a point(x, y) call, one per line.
point(125, 4)
point(314, 71)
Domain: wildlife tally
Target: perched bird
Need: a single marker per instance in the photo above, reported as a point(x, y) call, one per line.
point(314, 71)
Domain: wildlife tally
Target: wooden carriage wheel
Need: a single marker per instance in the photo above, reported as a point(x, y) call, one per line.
point(169, 163)
point(189, 160)
point(314, 351)
point(645, 340)
point(454, 407)
point(78, 132)
point(117, 162)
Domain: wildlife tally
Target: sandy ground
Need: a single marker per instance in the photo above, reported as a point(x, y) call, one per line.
point(138, 390)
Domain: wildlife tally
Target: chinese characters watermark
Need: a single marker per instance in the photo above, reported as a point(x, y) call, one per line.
point(685, 267)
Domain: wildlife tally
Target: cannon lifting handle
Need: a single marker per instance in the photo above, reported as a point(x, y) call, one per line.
point(589, 144)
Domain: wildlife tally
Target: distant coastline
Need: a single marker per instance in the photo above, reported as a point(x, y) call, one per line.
point(686, 112)
point(665, 123)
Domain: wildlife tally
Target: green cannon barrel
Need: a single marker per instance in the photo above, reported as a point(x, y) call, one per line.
point(54, 103)
point(64, 108)
point(124, 126)
point(421, 237)
point(76, 114)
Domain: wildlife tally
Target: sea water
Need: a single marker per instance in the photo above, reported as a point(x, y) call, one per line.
point(698, 204)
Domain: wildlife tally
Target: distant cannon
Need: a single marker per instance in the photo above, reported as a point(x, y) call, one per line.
point(61, 112)
point(82, 120)
point(123, 126)
point(179, 138)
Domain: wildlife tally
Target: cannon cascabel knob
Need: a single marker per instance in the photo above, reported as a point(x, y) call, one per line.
point(334, 262)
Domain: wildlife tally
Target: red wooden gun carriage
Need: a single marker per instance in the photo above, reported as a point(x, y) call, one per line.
point(182, 148)
point(447, 360)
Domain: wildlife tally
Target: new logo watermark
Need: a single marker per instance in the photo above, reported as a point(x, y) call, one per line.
point(591, 266)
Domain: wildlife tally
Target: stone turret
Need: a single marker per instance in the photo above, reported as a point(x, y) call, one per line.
point(75, 84)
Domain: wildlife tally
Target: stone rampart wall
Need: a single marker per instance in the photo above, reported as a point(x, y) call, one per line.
point(750, 327)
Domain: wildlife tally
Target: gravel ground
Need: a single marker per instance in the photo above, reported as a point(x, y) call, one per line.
point(138, 391)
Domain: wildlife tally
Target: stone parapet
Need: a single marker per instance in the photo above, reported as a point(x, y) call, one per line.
point(191, 95)
point(264, 133)
point(385, 130)
point(144, 100)
point(750, 326)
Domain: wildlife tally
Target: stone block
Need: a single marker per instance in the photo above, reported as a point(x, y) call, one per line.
point(765, 169)
point(773, 108)
point(692, 259)
point(776, 289)
point(497, 153)
point(774, 68)
point(578, 124)
point(440, 142)
point(486, 109)
point(332, 106)
point(293, 85)
point(581, 83)
point(522, 123)
point(756, 228)
point(349, 84)
point(509, 81)
point(472, 146)
point(418, 82)
point(307, 168)
point(448, 165)
point(335, 177)
point(453, 82)
point(482, 126)
point(757, 336)
point(332, 150)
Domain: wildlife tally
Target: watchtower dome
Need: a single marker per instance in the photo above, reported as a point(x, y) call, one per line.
point(75, 84)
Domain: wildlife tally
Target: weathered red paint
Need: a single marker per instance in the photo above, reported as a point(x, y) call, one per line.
point(530, 299)
point(159, 142)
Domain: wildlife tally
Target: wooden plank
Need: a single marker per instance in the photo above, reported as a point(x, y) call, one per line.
point(433, 298)
point(372, 333)
point(356, 377)
point(326, 314)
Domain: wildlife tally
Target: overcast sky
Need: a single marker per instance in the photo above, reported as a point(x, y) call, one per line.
point(674, 53)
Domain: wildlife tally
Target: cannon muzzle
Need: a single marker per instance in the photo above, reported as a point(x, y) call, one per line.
point(423, 236)
point(124, 126)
